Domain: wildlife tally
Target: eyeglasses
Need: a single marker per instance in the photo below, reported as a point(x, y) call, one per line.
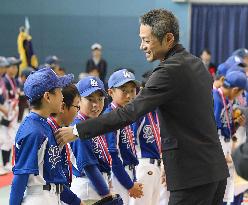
point(76, 106)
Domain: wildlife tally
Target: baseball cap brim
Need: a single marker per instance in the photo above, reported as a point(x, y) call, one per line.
point(14, 61)
point(92, 90)
point(137, 83)
point(4, 64)
point(65, 80)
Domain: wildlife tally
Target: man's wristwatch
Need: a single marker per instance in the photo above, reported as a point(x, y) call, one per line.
point(74, 131)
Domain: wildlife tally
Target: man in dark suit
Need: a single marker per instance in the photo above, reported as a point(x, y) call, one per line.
point(181, 88)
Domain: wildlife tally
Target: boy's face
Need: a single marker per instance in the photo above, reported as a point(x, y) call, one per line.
point(70, 113)
point(12, 71)
point(123, 94)
point(56, 101)
point(235, 92)
point(92, 105)
point(2, 70)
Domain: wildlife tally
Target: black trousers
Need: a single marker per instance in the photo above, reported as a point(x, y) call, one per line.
point(207, 194)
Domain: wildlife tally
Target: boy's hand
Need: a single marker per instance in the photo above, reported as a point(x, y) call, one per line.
point(136, 190)
point(65, 135)
point(241, 120)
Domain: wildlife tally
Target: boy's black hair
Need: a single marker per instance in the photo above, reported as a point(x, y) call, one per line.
point(206, 50)
point(69, 93)
point(36, 104)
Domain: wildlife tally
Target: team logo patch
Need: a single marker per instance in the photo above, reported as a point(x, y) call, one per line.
point(54, 155)
point(93, 83)
point(127, 74)
point(124, 138)
point(96, 147)
point(148, 134)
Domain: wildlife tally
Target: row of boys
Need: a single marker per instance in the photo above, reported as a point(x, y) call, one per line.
point(132, 154)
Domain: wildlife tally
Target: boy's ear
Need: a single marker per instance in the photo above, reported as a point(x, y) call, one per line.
point(46, 96)
point(222, 78)
point(110, 92)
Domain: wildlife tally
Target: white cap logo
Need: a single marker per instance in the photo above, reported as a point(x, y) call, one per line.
point(93, 83)
point(126, 74)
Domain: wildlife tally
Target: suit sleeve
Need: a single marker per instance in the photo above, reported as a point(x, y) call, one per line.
point(160, 90)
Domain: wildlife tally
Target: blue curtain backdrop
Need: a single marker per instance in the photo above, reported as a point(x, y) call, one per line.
point(220, 28)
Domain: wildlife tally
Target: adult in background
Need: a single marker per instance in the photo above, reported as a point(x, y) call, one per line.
point(96, 65)
point(181, 88)
point(54, 63)
point(206, 59)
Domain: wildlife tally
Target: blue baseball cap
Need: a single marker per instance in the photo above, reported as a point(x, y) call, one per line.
point(89, 85)
point(3, 62)
point(222, 69)
point(121, 77)
point(43, 80)
point(242, 52)
point(234, 60)
point(236, 67)
point(235, 79)
point(52, 60)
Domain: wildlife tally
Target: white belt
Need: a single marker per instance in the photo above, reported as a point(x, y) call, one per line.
point(36, 189)
point(156, 162)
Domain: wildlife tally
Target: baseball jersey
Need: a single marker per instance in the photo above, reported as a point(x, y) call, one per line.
point(148, 137)
point(89, 152)
point(11, 86)
point(37, 152)
point(64, 152)
point(223, 114)
point(123, 141)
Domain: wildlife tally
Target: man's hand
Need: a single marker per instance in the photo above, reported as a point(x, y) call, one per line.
point(82, 203)
point(64, 135)
point(136, 190)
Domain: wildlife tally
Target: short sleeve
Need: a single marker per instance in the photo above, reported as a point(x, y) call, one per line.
point(28, 153)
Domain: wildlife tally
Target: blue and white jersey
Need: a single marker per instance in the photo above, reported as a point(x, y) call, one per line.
point(89, 152)
point(37, 152)
point(64, 152)
point(123, 142)
point(223, 114)
point(148, 137)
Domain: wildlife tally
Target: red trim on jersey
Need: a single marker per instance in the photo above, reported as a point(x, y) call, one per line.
point(155, 130)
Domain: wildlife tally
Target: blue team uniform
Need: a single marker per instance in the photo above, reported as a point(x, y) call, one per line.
point(63, 152)
point(148, 145)
point(91, 155)
point(37, 156)
point(120, 148)
point(221, 116)
point(30, 142)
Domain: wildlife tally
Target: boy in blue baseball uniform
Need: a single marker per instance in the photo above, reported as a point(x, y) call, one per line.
point(121, 143)
point(90, 158)
point(65, 117)
point(149, 155)
point(234, 84)
point(38, 169)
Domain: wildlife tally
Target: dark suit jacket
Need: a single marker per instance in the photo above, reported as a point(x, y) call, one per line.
point(181, 88)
